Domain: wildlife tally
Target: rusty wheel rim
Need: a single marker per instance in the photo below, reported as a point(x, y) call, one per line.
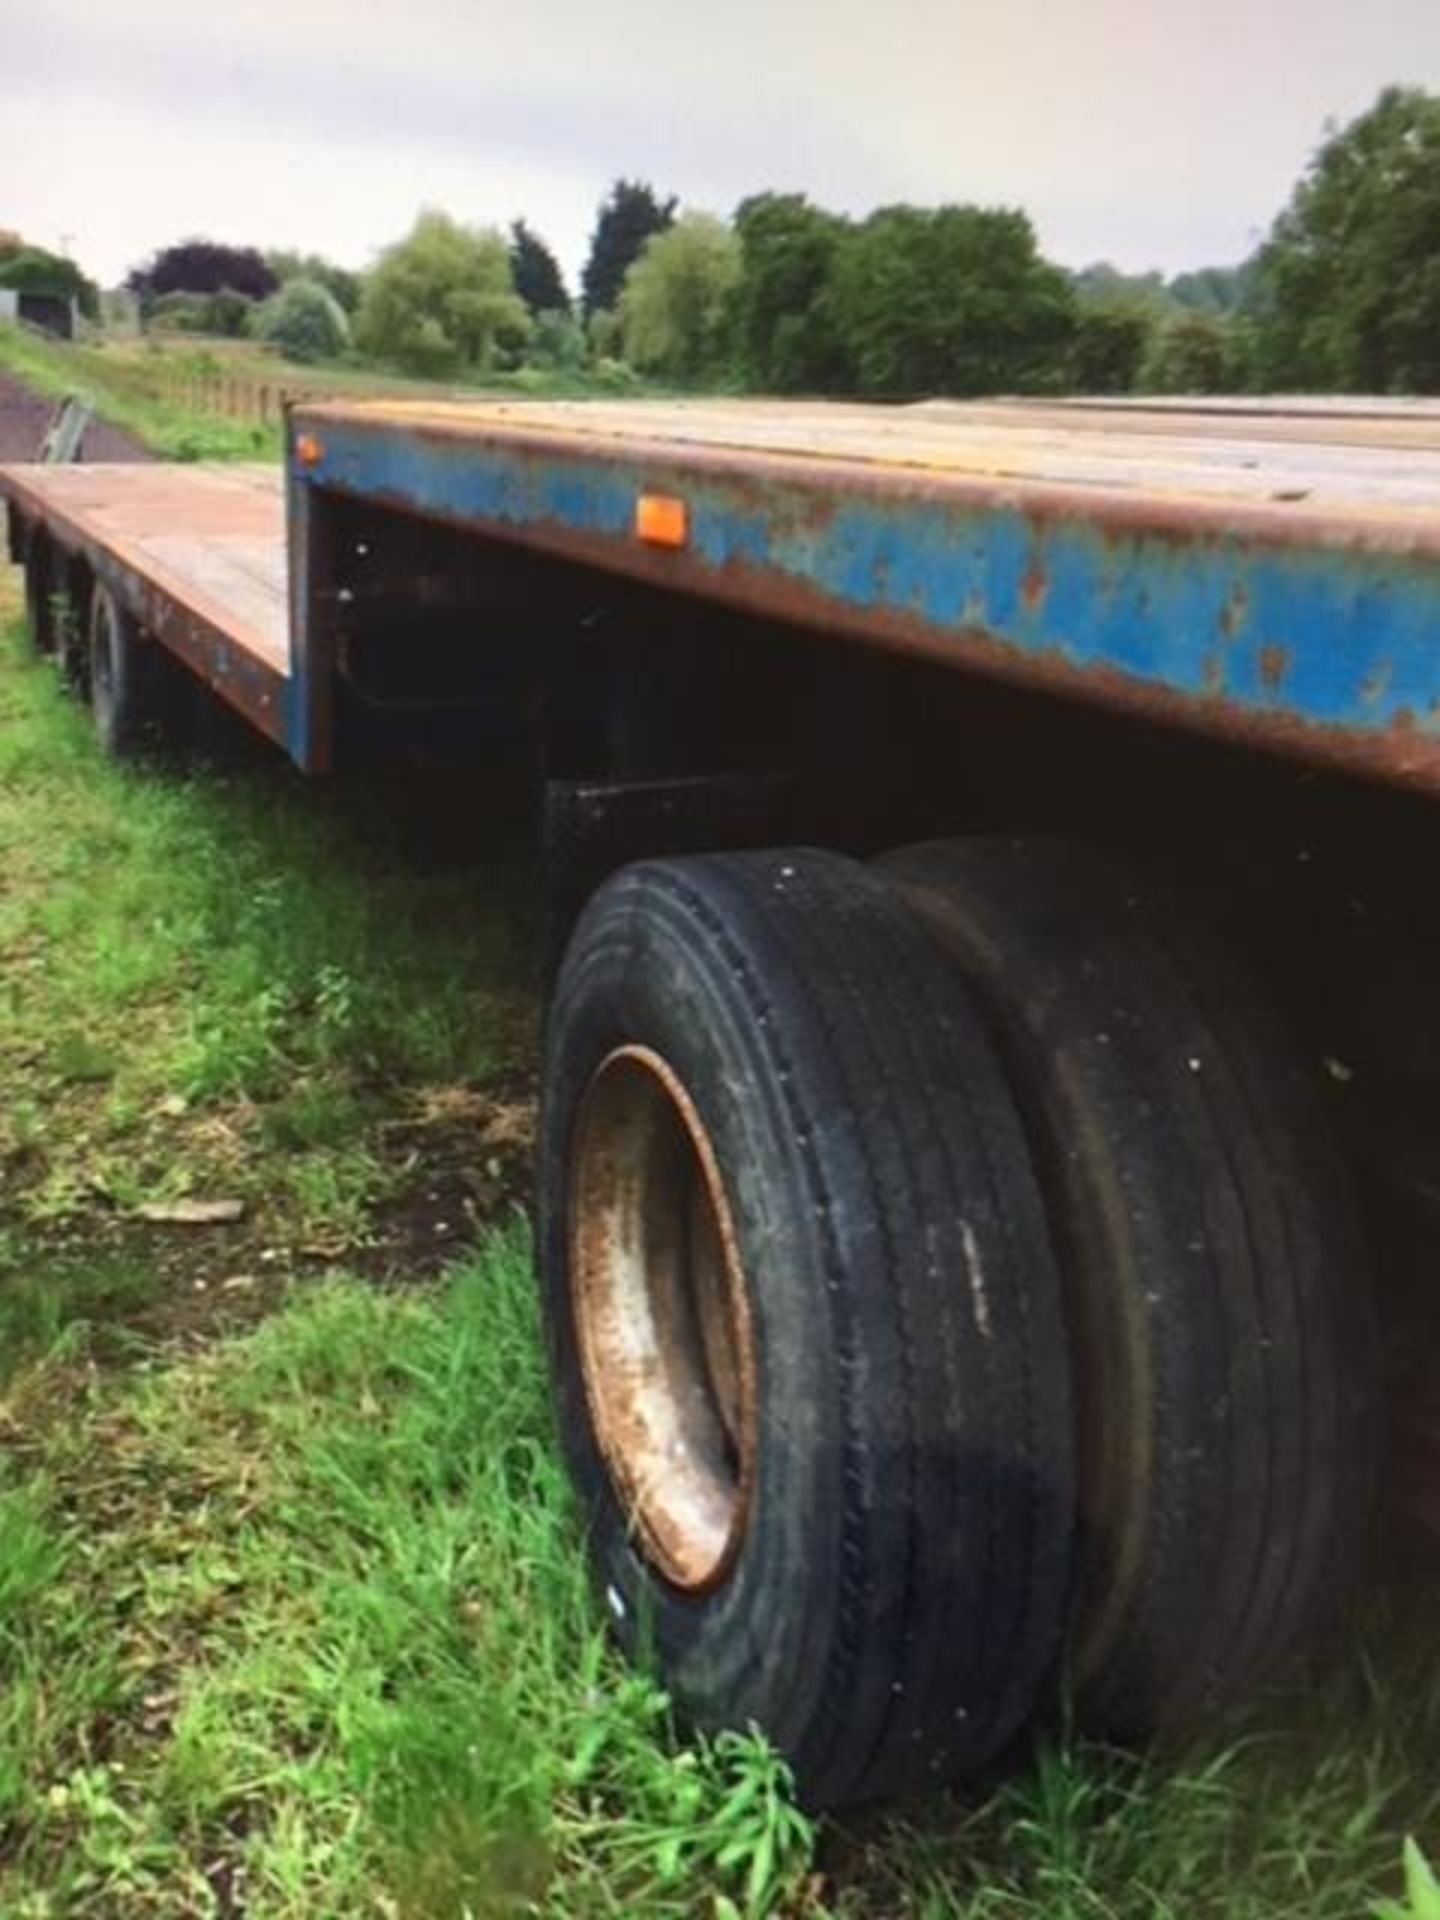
point(662, 1318)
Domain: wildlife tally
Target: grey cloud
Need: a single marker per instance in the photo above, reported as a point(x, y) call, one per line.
point(354, 97)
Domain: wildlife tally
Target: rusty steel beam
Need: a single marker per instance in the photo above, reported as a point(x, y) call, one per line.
point(1294, 620)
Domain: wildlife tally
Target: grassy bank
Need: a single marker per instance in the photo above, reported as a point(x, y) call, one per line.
point(251, 361)
point(124, 392)
point(156, 388)
point(293, 1617)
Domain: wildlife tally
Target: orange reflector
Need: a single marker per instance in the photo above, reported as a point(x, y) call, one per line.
point(661, 520)
point(309, 451)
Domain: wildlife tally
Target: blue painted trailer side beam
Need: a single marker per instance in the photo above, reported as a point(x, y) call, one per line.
point(1324, 645)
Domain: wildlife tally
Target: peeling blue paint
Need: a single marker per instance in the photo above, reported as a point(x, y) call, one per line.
point(1344, 639)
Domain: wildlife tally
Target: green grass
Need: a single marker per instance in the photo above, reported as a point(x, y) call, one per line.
point(1297, 1812)
point(46, 1300)
point(201, 995)
point(341, 1646)
point(304, 1614)
point(293, 1613)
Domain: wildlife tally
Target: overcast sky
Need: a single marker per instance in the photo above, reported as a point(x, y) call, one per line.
point(1147, 132)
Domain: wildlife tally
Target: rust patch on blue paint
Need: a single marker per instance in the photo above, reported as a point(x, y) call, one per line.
point(1034, 587)
point(1275, 663)
point(1234, 613)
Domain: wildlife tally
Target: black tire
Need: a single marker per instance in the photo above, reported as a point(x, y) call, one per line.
point(126, 680)
point(893, 1604)
point(1223, 1350)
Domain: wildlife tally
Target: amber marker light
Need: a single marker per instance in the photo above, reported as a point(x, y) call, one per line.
point(309, 451)
point(661, 520)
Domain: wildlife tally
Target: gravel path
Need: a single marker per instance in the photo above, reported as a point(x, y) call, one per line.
point(25, 416)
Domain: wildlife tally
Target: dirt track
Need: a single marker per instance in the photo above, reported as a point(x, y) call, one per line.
point(25, 416)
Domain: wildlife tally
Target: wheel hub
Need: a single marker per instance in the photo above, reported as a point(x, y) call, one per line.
point(662, 1317)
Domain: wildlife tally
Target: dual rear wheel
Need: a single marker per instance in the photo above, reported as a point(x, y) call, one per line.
point(952, 1294)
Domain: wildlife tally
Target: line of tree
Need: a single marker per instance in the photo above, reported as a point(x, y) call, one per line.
point(1344, 294)
point(787, 297)
point(448, 300)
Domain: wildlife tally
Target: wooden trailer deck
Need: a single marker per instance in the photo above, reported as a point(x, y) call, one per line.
point(197, 554)
point(1363, 461)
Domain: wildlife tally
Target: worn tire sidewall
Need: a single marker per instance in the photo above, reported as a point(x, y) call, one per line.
point(1189, 1172)
point(787, 1577)
point(107, 691)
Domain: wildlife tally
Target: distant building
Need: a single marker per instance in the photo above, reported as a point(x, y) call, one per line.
point(52, 313)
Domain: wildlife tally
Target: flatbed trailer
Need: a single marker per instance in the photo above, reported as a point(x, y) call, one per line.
point(961, 1258)
point(1267, 575)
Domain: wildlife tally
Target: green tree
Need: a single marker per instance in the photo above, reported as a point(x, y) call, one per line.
point(1221, 290)
point(1106, 285)
point(201, 266)
point(340, 283)
point(229, 313)
point(602, 330)
point(304, 321)
point(536, 272)
point(179, 313)
point(675, 301)
point(1109, 345)
point(784, 325)
point(628, 216)
point(557, 342)
point(950, 300)
point(1347, 287)
point(442, 301)
point(1193, 353)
